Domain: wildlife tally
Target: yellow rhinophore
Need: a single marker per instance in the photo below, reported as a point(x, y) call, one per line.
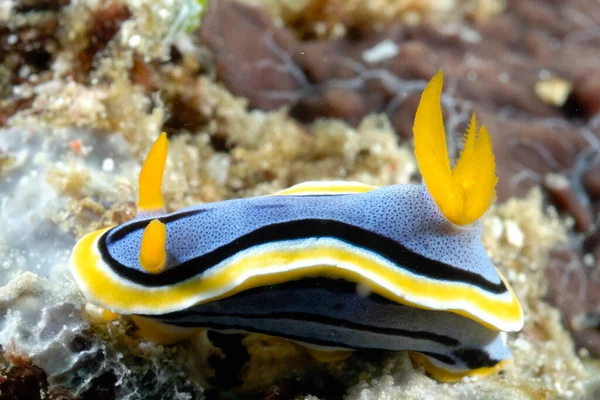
point(465, 192)
point(150, 181)
point(152, 250)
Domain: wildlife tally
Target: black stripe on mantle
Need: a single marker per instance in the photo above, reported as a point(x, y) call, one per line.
point(293, 230)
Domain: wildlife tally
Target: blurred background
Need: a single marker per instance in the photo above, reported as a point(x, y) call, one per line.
point(257, 95)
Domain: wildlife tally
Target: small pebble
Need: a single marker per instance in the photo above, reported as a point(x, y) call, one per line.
point(108, 165)
point(134, 41)
point(553, 90)
point(514, 234)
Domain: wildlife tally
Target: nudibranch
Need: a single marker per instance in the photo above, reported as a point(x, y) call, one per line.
point(289, 264)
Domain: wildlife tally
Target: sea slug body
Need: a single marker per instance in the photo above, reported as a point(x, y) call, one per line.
point(288, 264)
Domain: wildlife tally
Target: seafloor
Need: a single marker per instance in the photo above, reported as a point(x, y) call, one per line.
point(259, 95)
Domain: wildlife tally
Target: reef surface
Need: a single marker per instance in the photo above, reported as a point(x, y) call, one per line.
point(324, 90)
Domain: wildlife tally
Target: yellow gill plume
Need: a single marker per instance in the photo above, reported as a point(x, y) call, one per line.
point(465, 192)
